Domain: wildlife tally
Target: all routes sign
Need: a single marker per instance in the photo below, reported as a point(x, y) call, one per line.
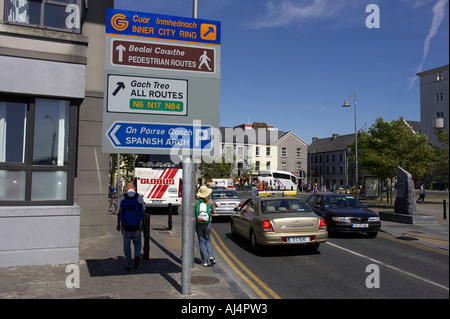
point(133, 94)
point(161, 73)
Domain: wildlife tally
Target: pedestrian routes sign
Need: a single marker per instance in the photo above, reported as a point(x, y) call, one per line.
point(134, 94)
point(147, 54)
point(160, 136)
point(164, 27)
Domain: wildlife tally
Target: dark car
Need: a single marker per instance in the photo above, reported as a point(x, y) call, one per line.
point(344, 213)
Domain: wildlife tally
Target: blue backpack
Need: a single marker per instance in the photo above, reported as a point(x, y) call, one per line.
point(131, 213)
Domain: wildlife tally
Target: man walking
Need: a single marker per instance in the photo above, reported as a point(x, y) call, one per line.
point(129, 220)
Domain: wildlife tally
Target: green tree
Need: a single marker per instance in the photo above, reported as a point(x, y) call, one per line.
point(442, 156)
point(219, 168)
point(387, 145)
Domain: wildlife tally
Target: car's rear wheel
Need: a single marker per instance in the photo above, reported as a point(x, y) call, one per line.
point(233, 231)
point(253, 241)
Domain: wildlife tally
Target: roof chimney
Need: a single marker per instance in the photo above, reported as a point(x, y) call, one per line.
point(334, 136)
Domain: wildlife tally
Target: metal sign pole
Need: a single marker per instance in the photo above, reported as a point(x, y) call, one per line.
point(188, 214)
point(188, 229)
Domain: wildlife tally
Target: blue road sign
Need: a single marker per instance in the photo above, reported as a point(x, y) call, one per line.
point(164, 27)
point(160, 136)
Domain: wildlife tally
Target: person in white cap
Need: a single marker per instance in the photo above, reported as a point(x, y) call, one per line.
point(203, 225)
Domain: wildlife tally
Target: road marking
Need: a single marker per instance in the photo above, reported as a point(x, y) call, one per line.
point(245, 278)
point(389, 266)
point(402, 241)
point(240, 264)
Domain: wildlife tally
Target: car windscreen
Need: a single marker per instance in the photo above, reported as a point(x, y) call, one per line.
point(283, 205)
point(344, 201)
point(224, 194)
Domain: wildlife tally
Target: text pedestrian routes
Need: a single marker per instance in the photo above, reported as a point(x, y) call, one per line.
point(161, 56)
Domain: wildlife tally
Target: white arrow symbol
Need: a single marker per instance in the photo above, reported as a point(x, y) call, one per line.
point(113, 136)
point(121, 49)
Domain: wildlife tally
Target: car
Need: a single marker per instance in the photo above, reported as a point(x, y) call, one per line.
point(225, 200)
point(343, 190)
point(268, 221)
point(344, 213)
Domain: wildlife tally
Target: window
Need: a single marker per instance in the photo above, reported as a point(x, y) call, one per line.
point(439, 76)
point(439, 97)
point(299, 152)
point(267, 150)
point(284, 166)
point(268, 165)
point(62, 15)
point(37, 151)
point(257, 151)
point(283, 152)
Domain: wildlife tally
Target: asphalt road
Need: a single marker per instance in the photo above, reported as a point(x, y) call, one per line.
point(351, 266)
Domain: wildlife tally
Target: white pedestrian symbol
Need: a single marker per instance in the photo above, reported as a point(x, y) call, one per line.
point(204, 60)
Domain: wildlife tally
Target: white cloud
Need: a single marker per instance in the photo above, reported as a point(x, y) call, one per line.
point(289, 12)
point(438, 17)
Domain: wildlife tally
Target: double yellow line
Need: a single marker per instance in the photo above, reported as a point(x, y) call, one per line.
point(257, 284)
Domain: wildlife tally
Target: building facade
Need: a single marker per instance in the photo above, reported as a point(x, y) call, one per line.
point(53, 174)
point(292, 154)
point(434, 102)
point(328, 162)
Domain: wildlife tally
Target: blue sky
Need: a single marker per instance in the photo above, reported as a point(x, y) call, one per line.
point(292, 63)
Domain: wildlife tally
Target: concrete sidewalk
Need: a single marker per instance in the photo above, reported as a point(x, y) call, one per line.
point(433, 235)
point(102, 273)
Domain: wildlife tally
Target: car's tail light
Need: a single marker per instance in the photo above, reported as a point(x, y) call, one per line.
point(322, 224)
point(267, 225)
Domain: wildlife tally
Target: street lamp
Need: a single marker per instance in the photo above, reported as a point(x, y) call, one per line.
point(356, 140)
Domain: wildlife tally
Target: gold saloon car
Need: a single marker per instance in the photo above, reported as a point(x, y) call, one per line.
point(278, 221)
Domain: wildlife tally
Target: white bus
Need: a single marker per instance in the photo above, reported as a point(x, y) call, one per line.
point(278, 180)
point(159, 180)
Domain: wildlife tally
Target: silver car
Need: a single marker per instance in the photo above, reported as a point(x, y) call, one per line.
point(225, 200)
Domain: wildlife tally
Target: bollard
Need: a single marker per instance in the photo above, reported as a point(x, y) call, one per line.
point(445, 209)
point(146, 236)
point(170, 218)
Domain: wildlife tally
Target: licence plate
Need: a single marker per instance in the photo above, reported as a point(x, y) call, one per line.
point(360, 225)
point(305, 239)
point(227, 205)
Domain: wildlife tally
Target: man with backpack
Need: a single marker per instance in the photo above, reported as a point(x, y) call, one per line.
point(129, 220)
